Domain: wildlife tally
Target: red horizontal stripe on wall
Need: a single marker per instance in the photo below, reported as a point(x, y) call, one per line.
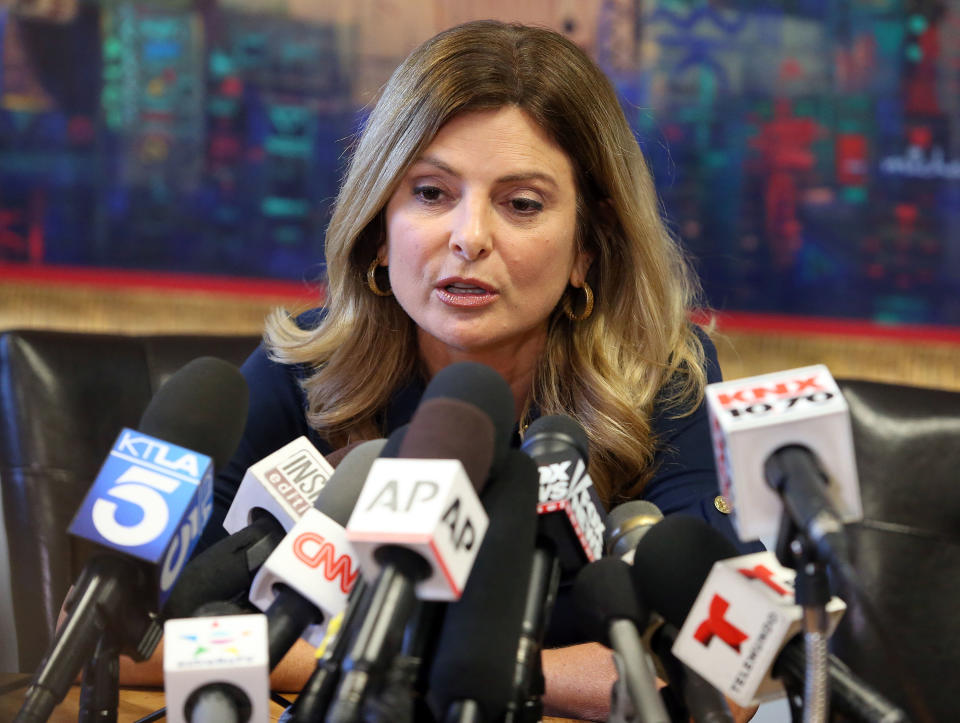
point(299, 290)
point(735, 321)
point(145, 280)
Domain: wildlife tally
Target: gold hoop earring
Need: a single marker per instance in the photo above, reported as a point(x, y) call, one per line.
point(372, 280)
point(587, 306)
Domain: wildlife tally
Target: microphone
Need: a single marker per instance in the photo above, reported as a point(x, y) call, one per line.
point(783, 442)
point(570, 532)
point(283, 484)
point(215, 669)
point(145, 511)
point(626, 526)
point(307, 578)
point(315, 697)
point(611, 612)
point(670, 568)
point(471, 676)
point(571, 514)
point(273, 495)
point(627, 523)
point(419, 523)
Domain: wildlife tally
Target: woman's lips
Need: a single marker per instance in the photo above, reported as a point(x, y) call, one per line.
point(465, 293)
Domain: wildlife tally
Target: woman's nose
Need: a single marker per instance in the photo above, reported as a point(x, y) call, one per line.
point(470, 237)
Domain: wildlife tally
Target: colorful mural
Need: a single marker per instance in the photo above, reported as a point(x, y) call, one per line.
point(807, 151)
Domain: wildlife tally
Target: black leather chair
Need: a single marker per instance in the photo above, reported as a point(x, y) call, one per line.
point(907, 548)
point(63, 399)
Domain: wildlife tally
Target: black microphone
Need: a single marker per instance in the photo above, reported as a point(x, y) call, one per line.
point(226, 569)
point(310, 575)
point(165, 471)
point(569, 534)
point(314, 699)
point(471, 676)
point(670, 566)
point(612, 613)
point(424, 504)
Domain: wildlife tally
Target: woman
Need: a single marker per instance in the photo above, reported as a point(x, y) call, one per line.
point(497, 208)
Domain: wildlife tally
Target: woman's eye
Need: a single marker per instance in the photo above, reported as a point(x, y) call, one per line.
point(430, 194)
point(525, 205)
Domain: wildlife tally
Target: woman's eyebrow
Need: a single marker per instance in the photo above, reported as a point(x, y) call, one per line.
point(509, 178)
point(433, 161)
point(528, 176)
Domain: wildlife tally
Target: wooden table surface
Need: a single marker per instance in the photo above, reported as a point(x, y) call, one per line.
point(135, 703)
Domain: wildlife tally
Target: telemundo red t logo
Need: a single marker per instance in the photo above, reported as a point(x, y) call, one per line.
point(717, 626)
point(765, 575)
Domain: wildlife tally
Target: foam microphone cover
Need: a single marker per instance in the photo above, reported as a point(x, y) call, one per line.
point(337, 455)
point(223, 570)
point(477, 647)
point(604, 592)
point(392, 447)
point(218, 608)
point(556, 432)
point(672, 562)
point(452, 429)
point(202, 407)
point(339, 496)
point(477, 386)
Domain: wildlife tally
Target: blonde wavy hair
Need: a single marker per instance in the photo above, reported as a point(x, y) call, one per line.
point(605, 372)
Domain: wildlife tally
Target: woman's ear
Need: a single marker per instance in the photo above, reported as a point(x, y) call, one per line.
point(581, 265)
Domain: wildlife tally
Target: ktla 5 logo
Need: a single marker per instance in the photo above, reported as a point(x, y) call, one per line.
point(152, 479)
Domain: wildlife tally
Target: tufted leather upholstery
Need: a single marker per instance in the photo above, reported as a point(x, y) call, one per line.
point(907, 548)
point(63, 399)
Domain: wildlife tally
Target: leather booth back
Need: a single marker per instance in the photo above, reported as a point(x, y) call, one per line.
point(907, 548)
point(63, 399)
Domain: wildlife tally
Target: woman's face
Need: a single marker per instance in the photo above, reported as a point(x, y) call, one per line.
point(481, 234)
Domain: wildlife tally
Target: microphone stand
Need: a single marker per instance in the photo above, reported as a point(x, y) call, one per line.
point(100, 692)
point(813, 594)
point(528, 682)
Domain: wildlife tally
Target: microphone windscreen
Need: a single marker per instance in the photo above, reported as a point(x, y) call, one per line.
point(202, 407)
point(445, 428)
point(235, 559)
point(556, 431)
point(672, 562)
point(217, 608)
point(478, 385)
point(337, 455)
point(477, 650)
point(603, 592)
point(339, 495)
point(392, 447)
